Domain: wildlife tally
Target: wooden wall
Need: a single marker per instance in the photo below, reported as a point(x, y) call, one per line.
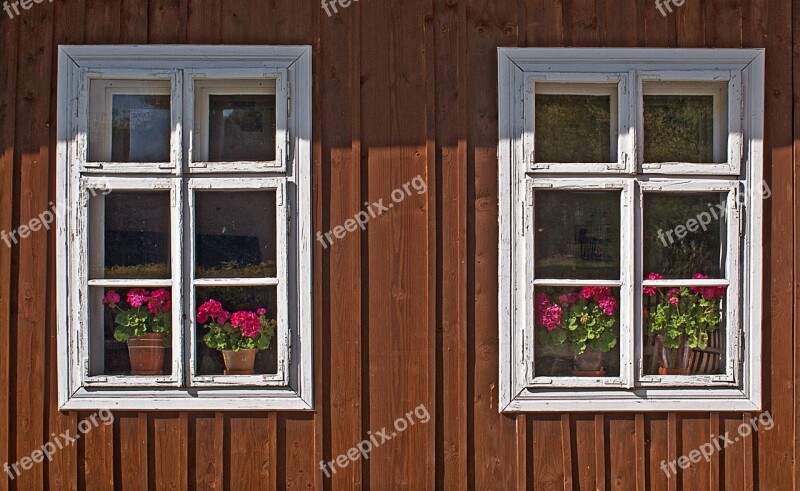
point(406, 313)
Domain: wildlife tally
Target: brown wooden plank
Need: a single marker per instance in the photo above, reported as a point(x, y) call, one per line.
point(583, 23)
point(725, 23)
point(167, 21)
point(691, 25)
point(168, 451)
point(600, 450)
point(584, 475)
point(621, 464)
point(62, 471)
point(130, 451)
point(244, 21)
point(98, 457)
point(32, 149)
point(548, 452)
point(451, 196)
point(251, 451)
point(773, 468)
point(656, 429)
point(9, 34)
point(566, 450)
point(489, 24)
point(206, 469)
point(617, 16)
point(659, 29)
point(641, 453)
point(133, 22)
point(394, 140)
point(203, 21)
point(102, 21)
point(695, 432)
point(341, 172)
point(297, 462)
point(545, 23)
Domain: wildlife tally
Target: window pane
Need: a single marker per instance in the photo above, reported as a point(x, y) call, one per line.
point(577, 234)
point(575, 127)
point(130, 235)
point(684, 330)
point(234, 299)
point(685, 234)
point(241, 128)
point(129, 121)
point(235, 234)
point(682, 124)
point(118, 316)
point(577, 332)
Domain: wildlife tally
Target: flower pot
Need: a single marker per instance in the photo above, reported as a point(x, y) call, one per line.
point(146, 354)
point(589, 364)
point(239, 362)
point(672, 361)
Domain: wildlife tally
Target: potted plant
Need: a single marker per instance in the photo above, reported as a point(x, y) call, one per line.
point(238, 336)
point(585, 321)
point(144, 325)
point(680, 321)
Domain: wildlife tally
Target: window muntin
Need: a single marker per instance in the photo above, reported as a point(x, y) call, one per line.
point(729, 170)
point(111, 205)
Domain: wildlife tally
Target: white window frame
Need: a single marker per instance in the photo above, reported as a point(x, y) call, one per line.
point(738, 388)
point(290, 175)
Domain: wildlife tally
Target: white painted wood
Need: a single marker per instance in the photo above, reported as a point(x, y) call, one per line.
point(292, 389)
point(739, 387)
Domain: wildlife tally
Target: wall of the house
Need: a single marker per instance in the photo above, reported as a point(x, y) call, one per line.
point(406, 313)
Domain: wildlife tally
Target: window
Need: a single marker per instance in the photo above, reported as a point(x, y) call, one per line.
point(630, 229)
point(186, 185)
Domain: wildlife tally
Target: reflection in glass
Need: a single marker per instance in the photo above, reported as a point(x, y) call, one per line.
point(684, 330)
point(577, 331)
point(574, 128)
point(140, 130)
point(115, 314)
point(235, 299)
point(577, 234)
point(241, 128)
point(136, 238)
point(235, 234)
point(679, 128)
point(684, 234)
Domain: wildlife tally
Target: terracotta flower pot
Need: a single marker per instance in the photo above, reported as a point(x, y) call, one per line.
point(589, 364)
point(239, 362)
point(146, 354)
point(673, 371)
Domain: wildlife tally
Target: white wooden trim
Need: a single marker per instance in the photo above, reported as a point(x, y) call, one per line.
point(75, 65)
point(720, 393)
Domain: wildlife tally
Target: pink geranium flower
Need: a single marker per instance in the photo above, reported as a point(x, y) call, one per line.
point(248, 322)
point(650, 290)
point(261, 311)
point(159, 302)
point(212, 309)
point(111, 297)
point(137, 297)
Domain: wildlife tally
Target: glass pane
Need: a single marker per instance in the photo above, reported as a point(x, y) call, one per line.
point(235, 234)
point(129, 121)
point(575, 127)
point(140, 130)
point(241, 128)
point(684, 330)
point(131, 331)
point(685, 234)
point(680, 123)
point(135, 241)
point(577, 234)
point(577, 332)
point(224, 303)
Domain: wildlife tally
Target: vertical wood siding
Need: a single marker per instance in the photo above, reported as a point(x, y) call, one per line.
point(406, 313)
